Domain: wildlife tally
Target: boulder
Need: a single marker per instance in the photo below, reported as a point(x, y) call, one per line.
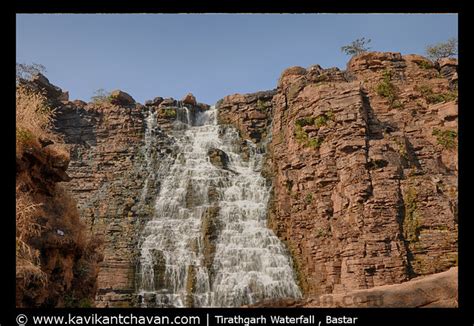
point(51, 91)
point(121, 98)
point(155, 102)
point(189, 99)
point(218, 158)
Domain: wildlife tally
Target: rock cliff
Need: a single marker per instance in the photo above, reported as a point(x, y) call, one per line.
point(56, 257)
point(363, 164)
point(117, 148)
point(364, 168)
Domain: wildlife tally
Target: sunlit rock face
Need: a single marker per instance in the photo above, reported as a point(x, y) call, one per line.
point(363, 164)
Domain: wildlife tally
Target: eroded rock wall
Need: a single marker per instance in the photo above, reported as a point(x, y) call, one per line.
point(364, 169)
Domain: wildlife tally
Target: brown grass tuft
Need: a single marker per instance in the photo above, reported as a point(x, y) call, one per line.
point(33, 119)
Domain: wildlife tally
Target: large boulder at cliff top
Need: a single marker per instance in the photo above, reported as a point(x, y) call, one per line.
point(189, 99)
point(121, 98)
point(155, 102)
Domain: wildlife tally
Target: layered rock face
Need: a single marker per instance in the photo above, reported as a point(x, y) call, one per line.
point(363, 164)
point(117, 149)
point(364, 168)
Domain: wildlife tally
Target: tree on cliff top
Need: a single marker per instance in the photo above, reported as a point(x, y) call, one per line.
point(442, 50)
point(356, 47)
point(26, 71)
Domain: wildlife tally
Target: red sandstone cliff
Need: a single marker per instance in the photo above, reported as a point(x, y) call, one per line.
point(364, 168)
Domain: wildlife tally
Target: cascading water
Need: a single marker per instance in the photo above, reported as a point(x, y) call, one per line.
point(245, 262)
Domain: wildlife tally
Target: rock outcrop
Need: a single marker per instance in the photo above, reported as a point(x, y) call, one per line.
point(112, 184)
point(364, 169)
point(432, 291)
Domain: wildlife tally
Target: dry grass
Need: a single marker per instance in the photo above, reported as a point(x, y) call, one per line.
point(33, 119)
point(27, 259)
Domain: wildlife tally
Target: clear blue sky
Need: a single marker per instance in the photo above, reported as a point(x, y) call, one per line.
point(210, 55)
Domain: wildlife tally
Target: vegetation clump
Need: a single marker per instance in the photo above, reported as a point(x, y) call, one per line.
point(388, 90)
point(170, 112)
point(446, 138)
point(425, 65)
point(33, 119)
point(432, 98)
point(356, 47)
point(101, 96)
point(261, 105)
point(442, 50)
point(27, 72)
point(307, 121)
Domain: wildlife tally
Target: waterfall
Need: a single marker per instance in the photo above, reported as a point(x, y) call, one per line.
point(207, 244)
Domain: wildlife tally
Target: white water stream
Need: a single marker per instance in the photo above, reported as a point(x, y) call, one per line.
point(249, 264)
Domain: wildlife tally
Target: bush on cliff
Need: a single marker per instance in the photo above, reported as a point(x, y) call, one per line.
point(356, 47)
point(442, 50)
point(33, 119)
point(55, 256)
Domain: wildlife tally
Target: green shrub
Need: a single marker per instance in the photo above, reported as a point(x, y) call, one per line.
point(322, 120)
point(441, 50)
point(261, 105)
point(100, 96)
point(388, 90)
point(302, 137)
point(300, 134)
point(315, 142)
point(432, 98)
point(309, 198)
point(85, 303)
point(446, 138)
point(307, 121)
point(170, 112)
point(425, 65)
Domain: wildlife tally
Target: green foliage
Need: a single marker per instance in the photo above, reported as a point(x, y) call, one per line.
point(23, 135)
point(302, 137)
point(308, 199)
point(85, 303)
point(358, 46)
point(446, 138)
point(322, 233)
point(425, 65)
point(261, 105)
point(443, 49)
point(170, 112)
point(432, 97)
point(300, 134)
point(411, 222)
point(388, 90)
point(322, 120)
point(100, 96)
point(307, 121)
point(315, 142)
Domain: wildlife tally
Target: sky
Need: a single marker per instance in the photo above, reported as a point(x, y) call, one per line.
point(209, 55)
